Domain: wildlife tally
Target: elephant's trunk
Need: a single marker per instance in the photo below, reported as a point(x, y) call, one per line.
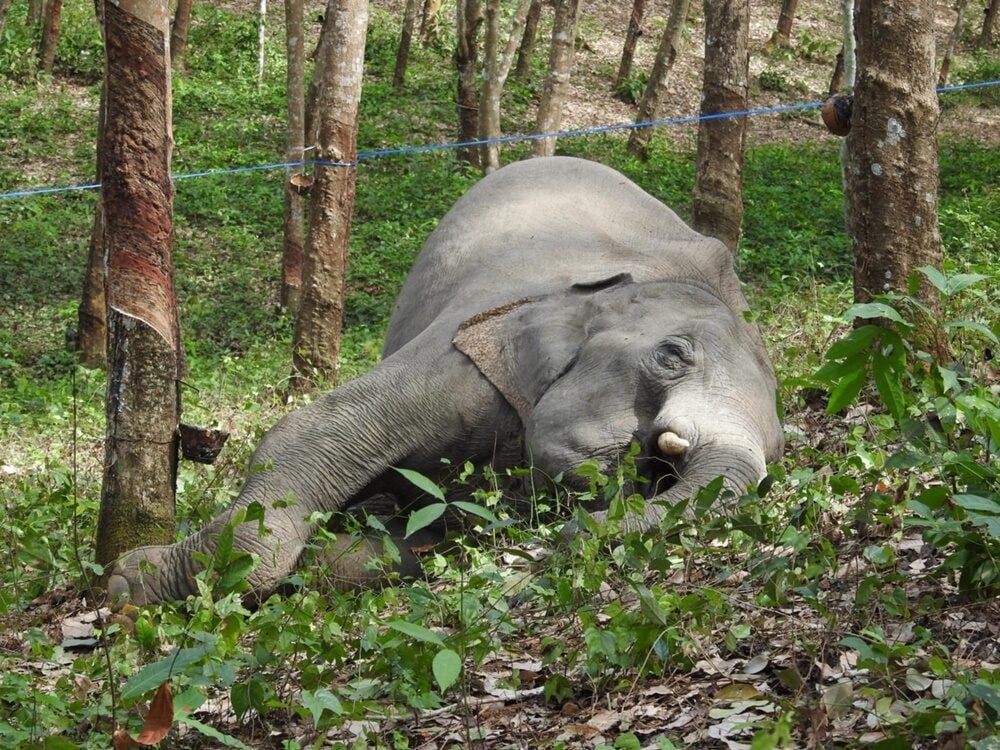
point(740, 462)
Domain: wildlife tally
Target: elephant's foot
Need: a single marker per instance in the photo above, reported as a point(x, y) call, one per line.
point(137, 577)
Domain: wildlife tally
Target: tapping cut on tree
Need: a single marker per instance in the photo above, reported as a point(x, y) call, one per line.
point(143, 395)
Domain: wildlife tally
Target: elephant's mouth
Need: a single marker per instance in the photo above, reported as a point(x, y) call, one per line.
point(655, 472)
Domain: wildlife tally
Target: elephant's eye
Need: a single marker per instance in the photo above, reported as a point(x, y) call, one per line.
point(674, 353)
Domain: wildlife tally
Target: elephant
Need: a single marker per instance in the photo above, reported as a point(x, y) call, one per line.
point(557, 314)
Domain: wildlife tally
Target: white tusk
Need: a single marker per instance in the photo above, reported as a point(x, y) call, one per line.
point(672, 444)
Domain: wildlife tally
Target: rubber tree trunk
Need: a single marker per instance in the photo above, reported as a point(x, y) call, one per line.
point(718, 190)
point(4, 7)
point(50, 35)
point(92, 329)
point(316, 339)
point(956, 32)
point(782, 36)
point(35, 8)
point(655, 94)
point(891, 166)
point(631, 39)
point(405, 41)
point(261, 36)
point(294, 215)
point(143, 397)
point(429, 24)
point(850, 46)
point(989, 20)
point(527, 46)
point(179, 33)
point(496, 67)
point(550, 105)
point(468, 17)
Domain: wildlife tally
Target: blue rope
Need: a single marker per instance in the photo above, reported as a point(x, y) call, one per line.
point(370, 155)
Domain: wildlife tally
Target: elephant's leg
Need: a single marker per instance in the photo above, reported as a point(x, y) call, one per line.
point(425, 402)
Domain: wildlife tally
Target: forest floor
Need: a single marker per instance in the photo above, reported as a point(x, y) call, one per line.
point(838, 630)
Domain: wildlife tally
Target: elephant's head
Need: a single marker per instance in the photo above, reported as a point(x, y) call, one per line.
point(667, 364)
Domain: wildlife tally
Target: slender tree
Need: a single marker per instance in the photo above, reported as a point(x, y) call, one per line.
point(316, 339)
point(261, 35)
point(468, 17)
point(294, 218)
point(718, 190)
point(179, 33)
point(949, 49)
point(50, 35)
point(429, 24)
point(631, 39)
point(496, 65)
point(891, 164)
point(989, 20)
point(527, 46)
point(405, 41)
point(550, 105)
point(782, 36)
point(35, 8)
point(4, 7)
point(143, 400)
point(655, 94)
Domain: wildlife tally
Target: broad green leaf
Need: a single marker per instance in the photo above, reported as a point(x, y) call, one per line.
point(476, 510)
point(421, 482)
point(212, 732)
point(935, 277)
point(153, 675)
point(416, 631)
point(868, 310)
point(991, 522)
point(975, 502)
point(853, 342)
point(237, 570)
point(424, 517)
point(447, 666)
point(318, 701)
point(972, 325)
point(846, 391)
point(834, 372)
point(888, 380)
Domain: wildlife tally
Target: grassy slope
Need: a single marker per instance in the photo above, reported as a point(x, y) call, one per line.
point(794, 257)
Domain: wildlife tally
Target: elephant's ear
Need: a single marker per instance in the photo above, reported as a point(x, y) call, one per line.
point(525, 346)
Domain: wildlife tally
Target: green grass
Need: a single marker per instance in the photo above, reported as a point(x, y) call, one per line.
point(600, 619)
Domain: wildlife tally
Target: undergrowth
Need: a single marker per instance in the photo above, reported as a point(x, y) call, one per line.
point(848, 578)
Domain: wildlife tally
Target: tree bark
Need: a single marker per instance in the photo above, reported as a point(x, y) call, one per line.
point(261, 21)
point(782, 36)
point(92, 328)
point(429, 22)
point(294, 216)
point(496, 67)
point(143, 397)
point(468, 16)
point(35, 8)
point(837, 79)
point(405, 40)
point(631, 38)
point(560, 67)
point(50, 35)
point(718, 190)
point(179, 33)
point(891, 166)
point(956, 32)
point(651, 104)
point(316, 339)
point(986, 37)
point(4, 7)
point(850, 50)
point(527, 46)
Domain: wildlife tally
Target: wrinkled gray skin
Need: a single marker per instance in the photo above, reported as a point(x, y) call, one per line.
point(556, 314)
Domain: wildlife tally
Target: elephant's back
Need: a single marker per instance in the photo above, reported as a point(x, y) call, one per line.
point(536, 227)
